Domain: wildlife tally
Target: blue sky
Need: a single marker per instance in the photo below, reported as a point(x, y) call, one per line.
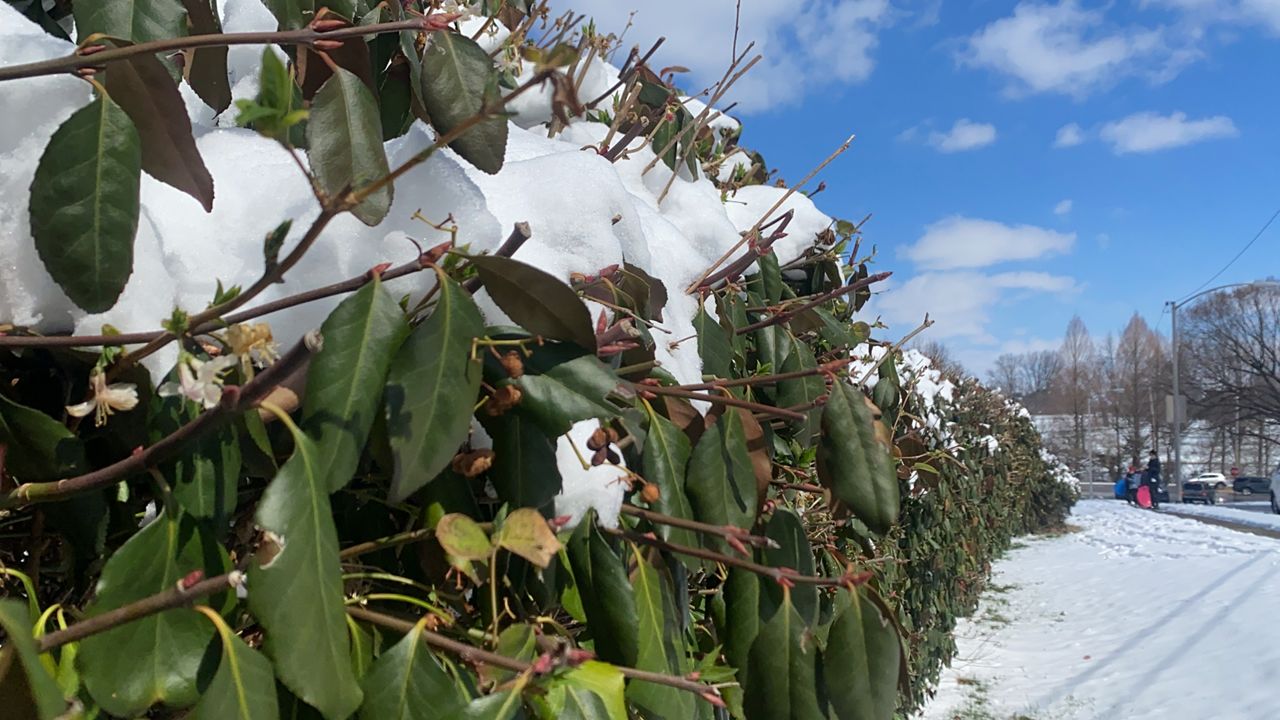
point(995, 219)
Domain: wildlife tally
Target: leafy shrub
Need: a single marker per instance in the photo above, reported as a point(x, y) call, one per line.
point(509, 489)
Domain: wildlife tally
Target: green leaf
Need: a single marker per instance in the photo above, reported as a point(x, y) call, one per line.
point(526, 533)
point(773, 346)
point(664, 459)
point(138, 21)
point(25, 685)
point(833, 331)
point(408, 683)
point(862, 661)
point(206, 70)
point(721, 483)
point(516, 641)
point(593, 686)
point(853, 463)
point(713, 346)
point(793, 551)
point(783, 681)
point(345, 382)
point(659, 649)
point(458, 82)
point(498, 706)
point(607, 597)
point(802, 391)
point(84, 204)
point(430, 389)
point(276, 110)
point(463, 538)
point(344, 139)
point(204, 481)
point(770, 277)
point(143, 88)
point(165, 649)
point(37, 447)
point(524, 470)
point(536, 300)
point(742, 618)
point(244, 686)
point(291, 14)
point(563, 384)
point(297, 592)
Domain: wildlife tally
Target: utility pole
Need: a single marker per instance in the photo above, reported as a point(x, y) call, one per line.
point(1177, 415)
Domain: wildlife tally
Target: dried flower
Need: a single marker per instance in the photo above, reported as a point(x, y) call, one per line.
point(651, 493)
point(199, 381)
point(513, 364)
point(503, 399)
point(254, 345)
point(471, 464)
point(106, 399)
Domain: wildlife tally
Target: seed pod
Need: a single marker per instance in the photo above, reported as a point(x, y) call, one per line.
point(513, 364)
point(598, 439)
point(651, 493)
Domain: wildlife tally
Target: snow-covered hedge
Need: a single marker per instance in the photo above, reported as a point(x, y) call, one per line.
point(443, 329)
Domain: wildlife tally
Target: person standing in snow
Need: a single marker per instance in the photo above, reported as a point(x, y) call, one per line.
point(1152, 477)
point(1131, 480)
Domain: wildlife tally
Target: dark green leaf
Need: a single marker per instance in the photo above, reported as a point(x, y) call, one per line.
point(408, 683)
point(139, 21)
point(853, 463)
point(37, 447)
point(862, 661)
point(783, 680)
point(563, 385)
point(244, 686)
point(786, 529)
point(742, 618)
point(659, 649)
point(713, 346)
point(26, 687)
point(345, 382)
point(664, 459)
point(802, 391)
point(206, 68)
point(606, 594)
point(770, 278)
point(524, 469)
point(291, 14)
point(204, 480)
point(517, 641)
point(430, 389)
point(721, 482)
point(537, 301)
point(773, 346)
point(143, 88)
point(498, 706)
point(344, 138)
point(459, 82)
point(165, 649)
point(297, 591)
point(273, 242)
point(84, 203)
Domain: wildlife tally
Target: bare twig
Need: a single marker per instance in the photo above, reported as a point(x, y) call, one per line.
point(721, 400)
point(786, 315)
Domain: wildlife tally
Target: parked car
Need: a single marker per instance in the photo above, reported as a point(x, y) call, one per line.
point(1275, 483)
point(1194, 491)
point(1248, 485)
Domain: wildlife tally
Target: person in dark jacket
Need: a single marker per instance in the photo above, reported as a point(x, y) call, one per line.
point(1152, 477)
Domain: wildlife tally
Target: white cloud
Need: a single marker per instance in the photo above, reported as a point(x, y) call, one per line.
point(1063, 48)
point(961, 242)
point(1063, 208)
point(1146, 132)
point(964, 135)
point(961, 302)
point(807, 45)
point(1238, 12)
point(1069, 135)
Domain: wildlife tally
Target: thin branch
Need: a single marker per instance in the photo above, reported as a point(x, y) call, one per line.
point(721, 400)
point(822, 369)
point(781, 575)
point(520, 234)
point(786, 315)
point(693, 287)
point(234, 401)
point(303, 36)
point(478, 656)
point(174, 597)
point(894, 349)
point(725, 531)
point(626, 76)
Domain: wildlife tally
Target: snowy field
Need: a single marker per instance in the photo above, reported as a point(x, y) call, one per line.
point(1138, 615)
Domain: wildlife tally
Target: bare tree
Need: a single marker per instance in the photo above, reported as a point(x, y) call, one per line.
point(1134, 360)
point(1040, 370)
point(1006, 374)
point(1233, 352)
point(942, 358)
point(1076, 383)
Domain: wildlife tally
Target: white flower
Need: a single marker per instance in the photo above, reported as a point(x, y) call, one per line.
point(198, 381)
point(255, 346)
point(106, 399)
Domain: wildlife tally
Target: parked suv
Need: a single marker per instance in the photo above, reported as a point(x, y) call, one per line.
point(1200, 491)
point(1217, 480)
point(1248, 485)
point(1275, 483)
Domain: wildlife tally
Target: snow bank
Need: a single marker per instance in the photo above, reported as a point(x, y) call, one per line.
point(1258, 515)
point(585, 212)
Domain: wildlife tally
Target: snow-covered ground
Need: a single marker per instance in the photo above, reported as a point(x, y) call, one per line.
point(1138, 615)
point(1254, 514)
